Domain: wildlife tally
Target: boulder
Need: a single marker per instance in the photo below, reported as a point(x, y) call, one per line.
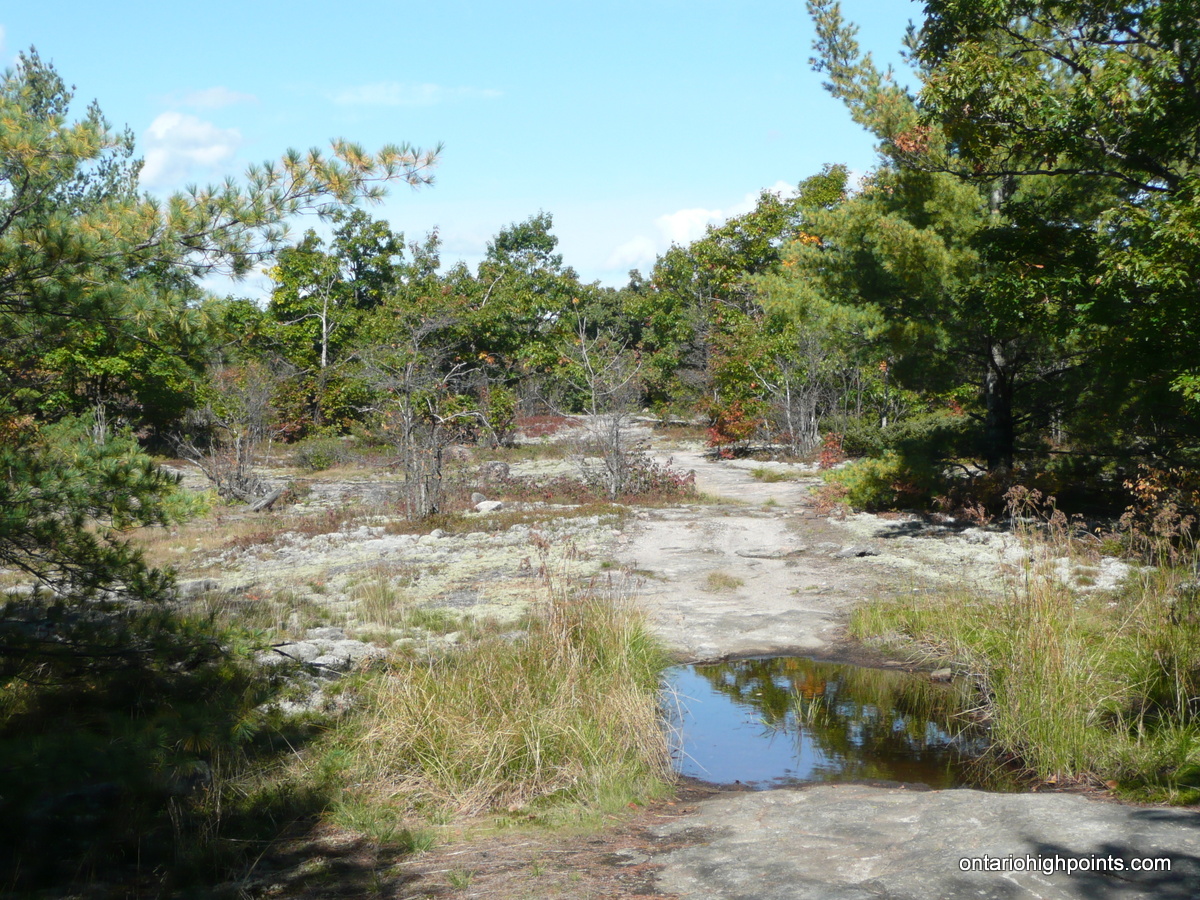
point(301, 651)
point(188, 590)
point(494, 470)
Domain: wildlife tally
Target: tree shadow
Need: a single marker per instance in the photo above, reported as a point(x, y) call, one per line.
point(929, 525)
point(139, 750)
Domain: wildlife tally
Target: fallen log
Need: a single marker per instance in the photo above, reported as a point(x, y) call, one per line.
point(266, 502)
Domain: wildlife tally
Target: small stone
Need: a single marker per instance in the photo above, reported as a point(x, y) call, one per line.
point(488, 506)
point(941, 675)
point(477, 497)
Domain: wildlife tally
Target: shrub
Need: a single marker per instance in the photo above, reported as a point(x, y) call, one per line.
point(833, 452)
point(887, 482)
point(316, 454)
point(733, 425)
point(647, 481)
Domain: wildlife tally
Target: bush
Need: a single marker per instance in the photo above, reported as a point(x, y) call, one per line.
point(316, 454)
point(647, 482)
point(861, 436)
point(887, 482)
point(734, 425)
point(906, 463)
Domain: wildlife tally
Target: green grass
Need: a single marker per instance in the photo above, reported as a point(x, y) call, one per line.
point(771, 475)
point(1079, 687)
point(460, 879)
point(380, 824)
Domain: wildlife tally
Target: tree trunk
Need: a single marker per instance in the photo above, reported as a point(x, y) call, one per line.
point(999, 438)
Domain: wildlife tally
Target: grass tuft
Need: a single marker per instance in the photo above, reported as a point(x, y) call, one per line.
point(722, 582)
point(768, 475)
point(566, 714)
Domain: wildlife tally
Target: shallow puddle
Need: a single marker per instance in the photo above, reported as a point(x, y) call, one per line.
point(786, 720)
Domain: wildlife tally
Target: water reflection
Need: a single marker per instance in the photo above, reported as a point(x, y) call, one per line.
point(765, 722)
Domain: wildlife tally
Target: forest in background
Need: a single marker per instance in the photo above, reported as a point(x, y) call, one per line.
point(1010, 297)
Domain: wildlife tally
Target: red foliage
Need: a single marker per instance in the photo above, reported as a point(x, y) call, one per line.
point(732, 424)
point(541, 426)
point(831, 451)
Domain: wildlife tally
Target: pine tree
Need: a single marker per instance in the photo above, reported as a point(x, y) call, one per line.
point(92, 272)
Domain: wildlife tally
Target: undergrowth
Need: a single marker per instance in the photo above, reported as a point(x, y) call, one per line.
point(649, 484)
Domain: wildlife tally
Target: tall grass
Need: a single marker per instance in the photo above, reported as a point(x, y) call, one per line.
point(1077, 686)
point(566, 713)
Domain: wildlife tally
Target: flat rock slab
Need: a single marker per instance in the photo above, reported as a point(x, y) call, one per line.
point(771, 598)
point(734, 580)
point(857, 842)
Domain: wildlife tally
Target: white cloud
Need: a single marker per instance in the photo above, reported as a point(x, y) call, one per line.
point(395, 93)
point(682, 227)
point(686, 225)
point(215, 98)
point(1, 38)
point(179, 145)
point(638, 253)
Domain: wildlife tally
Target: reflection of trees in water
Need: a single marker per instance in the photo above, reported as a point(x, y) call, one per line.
point(867, 723)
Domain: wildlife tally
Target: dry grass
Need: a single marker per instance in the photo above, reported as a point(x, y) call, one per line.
point(281, 614)
point(566, 713)
point(722, 582)
point(773, 476)
point(1077, 687)
point(536, 513)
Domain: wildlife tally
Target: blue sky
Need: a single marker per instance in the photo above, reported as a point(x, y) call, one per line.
point(632, 123)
